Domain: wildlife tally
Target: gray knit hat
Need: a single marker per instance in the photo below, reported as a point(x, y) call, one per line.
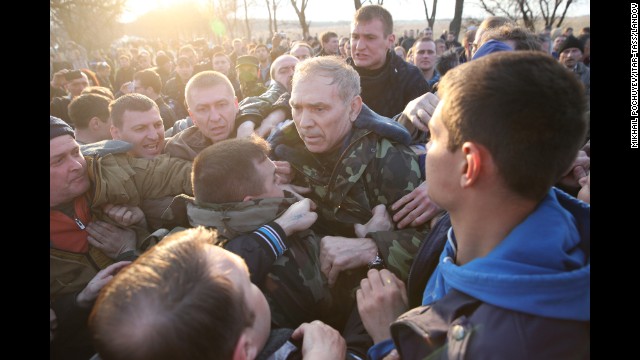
point(58, 127)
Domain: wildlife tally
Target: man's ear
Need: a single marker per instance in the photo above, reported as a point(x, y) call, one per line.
point(474, 158)
point(115, 133)
point(94, 123)
point(245, 350)
point(356, 106)
point(240, 351)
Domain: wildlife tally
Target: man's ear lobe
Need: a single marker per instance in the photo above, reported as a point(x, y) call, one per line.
point(240, 351)
point(474, 161)
point(356, 106)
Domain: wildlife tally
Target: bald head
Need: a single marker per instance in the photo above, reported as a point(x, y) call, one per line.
point(282, 70)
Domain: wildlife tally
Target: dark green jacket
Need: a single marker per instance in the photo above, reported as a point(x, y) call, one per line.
point(371, 169)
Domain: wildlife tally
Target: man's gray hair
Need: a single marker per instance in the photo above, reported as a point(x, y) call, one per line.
point(334, 67)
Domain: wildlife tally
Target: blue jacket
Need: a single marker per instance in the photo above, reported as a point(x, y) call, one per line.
point(529, 296)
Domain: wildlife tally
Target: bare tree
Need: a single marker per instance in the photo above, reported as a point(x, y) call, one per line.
point(549, 15)
point(246, 20)
point(454, 26)
point(528, 10)
point(223, 12)
point(430, 19)
point(90, 23)
point(304, 24)
point(358, 3)
point(273, 21)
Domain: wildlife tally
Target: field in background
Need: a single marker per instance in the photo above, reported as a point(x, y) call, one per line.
point(342, 28)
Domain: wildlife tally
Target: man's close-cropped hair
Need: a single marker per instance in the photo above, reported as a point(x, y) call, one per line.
point(171, 303)
point(87, 106)
point(129, 102)
point(525, 108)
point(226, 171)
point(370, 12)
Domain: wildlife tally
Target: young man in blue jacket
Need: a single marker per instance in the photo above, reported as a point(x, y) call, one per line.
point(507, 271)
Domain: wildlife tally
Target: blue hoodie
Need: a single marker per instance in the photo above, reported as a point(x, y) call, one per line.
point(491, 47)
point(541, 268)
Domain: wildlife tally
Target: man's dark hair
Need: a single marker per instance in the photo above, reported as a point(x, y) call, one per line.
point(86, 106)
point(129, 102)
point(171, 303)
point(525, 108)
point(448, 60)
point(523, 38)
point(370, 12)
point(327, 35)
point(148, 78)
point(226, 171)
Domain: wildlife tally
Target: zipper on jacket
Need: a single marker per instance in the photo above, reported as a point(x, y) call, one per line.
point(79, 223)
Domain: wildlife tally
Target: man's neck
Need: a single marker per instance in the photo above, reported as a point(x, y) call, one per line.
point(479, 229)
point(85, 136)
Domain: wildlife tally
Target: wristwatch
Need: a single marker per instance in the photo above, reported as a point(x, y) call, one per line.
point(376, 263)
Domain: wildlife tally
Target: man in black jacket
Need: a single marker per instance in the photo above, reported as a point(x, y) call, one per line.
point(388, 82)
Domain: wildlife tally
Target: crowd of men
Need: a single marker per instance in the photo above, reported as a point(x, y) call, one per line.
point(377, 198)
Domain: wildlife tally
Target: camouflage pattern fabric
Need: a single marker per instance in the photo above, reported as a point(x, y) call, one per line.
point(295, 287)
point(370, 170)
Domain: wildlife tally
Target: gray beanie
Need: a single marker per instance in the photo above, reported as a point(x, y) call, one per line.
point(58, 127)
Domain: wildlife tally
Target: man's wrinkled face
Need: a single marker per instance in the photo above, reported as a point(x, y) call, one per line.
point(570, 57)
point(284, 67)
point(67, 170)
point(322, 118)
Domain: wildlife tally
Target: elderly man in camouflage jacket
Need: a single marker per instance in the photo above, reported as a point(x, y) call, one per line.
point(353, 160)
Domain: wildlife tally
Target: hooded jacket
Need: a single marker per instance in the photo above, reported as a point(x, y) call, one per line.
point(529, 295)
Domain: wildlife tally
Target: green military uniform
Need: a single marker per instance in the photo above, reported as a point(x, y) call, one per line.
point(368, 170)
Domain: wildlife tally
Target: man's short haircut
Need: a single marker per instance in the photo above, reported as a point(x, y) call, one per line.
point(173, 302)
point(439, 41)
point(468, 37)
point(100, 90)
point(148, 78)
point(86, 106)
point(370, 12)
point(204, 80)
point(491, 22)
point(301, 43)
point(221, 54)
point(129, 102)
point(448, 60)
point(327, 35)
point(423, 39)
point(187, 48)
point(226, 171)
point(525, 108)
point(523, 38)
point(261, 46)
point(334, 67)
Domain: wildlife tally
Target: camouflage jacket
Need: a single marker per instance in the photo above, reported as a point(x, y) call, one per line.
point(286, 269)
point(371, 169)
